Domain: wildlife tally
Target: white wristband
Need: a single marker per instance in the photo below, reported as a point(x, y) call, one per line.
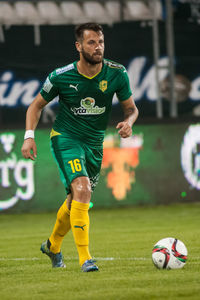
point(29, 134)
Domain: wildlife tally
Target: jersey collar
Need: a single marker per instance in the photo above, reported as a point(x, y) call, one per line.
point(75, 65)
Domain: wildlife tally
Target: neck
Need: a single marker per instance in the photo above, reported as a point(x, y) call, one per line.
point(87, 69)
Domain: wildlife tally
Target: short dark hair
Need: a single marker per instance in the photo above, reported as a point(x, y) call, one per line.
point(79, 29)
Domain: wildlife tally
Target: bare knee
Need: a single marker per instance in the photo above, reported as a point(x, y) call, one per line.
point(81, 189)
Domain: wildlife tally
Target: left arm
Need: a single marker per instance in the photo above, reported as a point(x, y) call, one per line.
point(130, 116)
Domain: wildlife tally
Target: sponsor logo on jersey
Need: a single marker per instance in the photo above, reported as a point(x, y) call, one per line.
point(112, 64)
point(64, 69)
point(103, 85)
point(88, 107)
point(47, 85)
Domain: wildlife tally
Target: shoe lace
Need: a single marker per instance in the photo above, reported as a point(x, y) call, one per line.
point(91, 261)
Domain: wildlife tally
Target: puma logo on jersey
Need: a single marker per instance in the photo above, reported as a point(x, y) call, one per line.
point(82, 227)
point(74, 87)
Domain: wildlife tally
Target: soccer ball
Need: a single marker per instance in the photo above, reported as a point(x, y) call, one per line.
point(169, 253)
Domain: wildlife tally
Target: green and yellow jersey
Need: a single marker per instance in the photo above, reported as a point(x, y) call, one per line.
point(86, 102)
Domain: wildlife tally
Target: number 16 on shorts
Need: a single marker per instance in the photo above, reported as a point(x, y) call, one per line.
point(75, 165)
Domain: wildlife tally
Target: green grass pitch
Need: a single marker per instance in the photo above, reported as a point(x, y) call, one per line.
point(121, 240)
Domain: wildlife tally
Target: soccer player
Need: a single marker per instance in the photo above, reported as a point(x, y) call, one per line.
point(85, 89)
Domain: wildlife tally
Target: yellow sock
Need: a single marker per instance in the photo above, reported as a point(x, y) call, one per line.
point(61, 227)
point(79, 218)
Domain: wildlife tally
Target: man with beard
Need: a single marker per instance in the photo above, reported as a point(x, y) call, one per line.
point(85, 89)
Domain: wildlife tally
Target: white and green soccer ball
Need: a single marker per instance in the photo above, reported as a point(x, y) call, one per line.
point(169, 253)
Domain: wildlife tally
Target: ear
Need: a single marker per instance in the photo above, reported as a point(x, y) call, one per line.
point(78, 46)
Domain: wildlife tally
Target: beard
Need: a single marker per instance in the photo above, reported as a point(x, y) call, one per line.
point(92, 59)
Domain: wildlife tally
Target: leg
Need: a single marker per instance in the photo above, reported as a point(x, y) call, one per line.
point(70, 156)
point(79, 218)
point(52, 246)
point(61, 227)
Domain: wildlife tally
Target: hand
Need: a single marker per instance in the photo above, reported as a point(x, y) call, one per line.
point(125, 130)
point(29, 149)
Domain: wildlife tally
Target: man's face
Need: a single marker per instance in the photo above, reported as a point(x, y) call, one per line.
point(92, 46)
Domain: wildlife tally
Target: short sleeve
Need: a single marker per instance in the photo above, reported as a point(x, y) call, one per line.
point(124, 91)
point(49, 90)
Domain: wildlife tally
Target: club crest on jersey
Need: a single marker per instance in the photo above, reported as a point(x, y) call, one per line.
point(88, 107)
point(103, 85)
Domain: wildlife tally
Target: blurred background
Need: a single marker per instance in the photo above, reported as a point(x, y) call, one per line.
point(158, 41)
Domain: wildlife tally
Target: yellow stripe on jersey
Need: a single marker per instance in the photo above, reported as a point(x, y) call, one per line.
point(54, 133)
point(90, 77)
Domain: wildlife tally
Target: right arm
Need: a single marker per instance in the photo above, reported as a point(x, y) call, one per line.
point(33, 114)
